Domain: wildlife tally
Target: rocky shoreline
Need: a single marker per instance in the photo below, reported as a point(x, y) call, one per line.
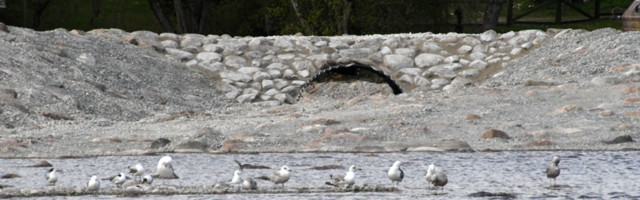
point(578, 90)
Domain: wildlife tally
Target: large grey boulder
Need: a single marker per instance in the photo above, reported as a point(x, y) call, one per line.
point(428, 60)
point(397, 62)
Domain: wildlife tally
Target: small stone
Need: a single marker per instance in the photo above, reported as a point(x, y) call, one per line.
point(566, 108)
point(530, 82)
point(632, 99)
point(606, 112)
point(10, 175)
point(632, 114)
point(495, 133)
point(42, 163)
point(472, 117)
point(624, 126)
point(179, 54)
point(160, 142)
point(619, 139)
point(107, 139)
point(538, 143)
point(530, 93)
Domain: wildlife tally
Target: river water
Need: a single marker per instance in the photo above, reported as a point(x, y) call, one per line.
point(591, 174)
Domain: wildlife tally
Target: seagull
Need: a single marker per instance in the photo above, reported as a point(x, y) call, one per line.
point(94, 184)
point(52, 176)
point(249, 184)
point(436, 177)
point(348, 179)
point(165, 169)
point(146, 180)
point(395, 173)
point(553, 170)
point(279, 177)
point(117, 179)
point(237, 179)
point(137, 170)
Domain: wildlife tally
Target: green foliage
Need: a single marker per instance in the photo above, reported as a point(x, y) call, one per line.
point(278, 17)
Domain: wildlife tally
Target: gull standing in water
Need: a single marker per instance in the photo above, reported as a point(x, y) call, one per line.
point(279, 177)
point(436, 177)
point(117, 179)
point(348, 179)
point(136, 170)
point(94, 184)
point(165, 169)
point(52, 176)
point(553, 170)
point(395, 173)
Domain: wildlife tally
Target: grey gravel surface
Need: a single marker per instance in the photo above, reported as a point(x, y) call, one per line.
point(69, 93)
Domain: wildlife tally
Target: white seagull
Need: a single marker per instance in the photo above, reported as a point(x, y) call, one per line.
point(348, 179)
point(136, 170)
point(52, 176)
point(117, 179)
point(279, 177)
point(249, 184)
point(147, 179)
point(553, 170)
point(237, 179)
point(395, 173)
point(94, 184)
point(436, 177)
point(165, 169)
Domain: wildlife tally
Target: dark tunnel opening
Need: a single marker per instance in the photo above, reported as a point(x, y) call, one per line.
point(352, 72)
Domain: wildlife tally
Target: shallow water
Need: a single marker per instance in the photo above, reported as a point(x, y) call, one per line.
point(605, 174)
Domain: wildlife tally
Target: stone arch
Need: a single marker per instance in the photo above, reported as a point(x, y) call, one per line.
point(395, 87)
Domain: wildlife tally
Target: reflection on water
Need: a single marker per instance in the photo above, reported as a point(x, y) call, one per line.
point(584, 174)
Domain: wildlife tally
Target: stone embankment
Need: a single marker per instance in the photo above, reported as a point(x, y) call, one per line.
point(272, 70)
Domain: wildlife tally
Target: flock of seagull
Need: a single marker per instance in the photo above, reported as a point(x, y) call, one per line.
point(164, 170)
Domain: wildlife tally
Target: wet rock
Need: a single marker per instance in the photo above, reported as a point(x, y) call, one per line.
point(209, 138)
point(368, 149)
point(10, 175)
point(537, 134)
point(55, 115)
point(107, 139)
point(326, 122)
point(494, 133)
point(619, 139)
point(538, 143)
point(160, 142)
point(4, 28)
point(42, 163)
point(606, 112)
point(490, 194)
point(327, 167)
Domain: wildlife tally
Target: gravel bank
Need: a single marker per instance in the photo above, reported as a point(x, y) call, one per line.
point(68, 96)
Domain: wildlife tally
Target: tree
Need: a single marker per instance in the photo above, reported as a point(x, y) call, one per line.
point(491, 14)
point(189, 15)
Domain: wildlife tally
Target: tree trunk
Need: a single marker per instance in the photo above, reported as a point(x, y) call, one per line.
point(38, 14)
point(346, 13)
point(180, 18)
point(96, 11)
point(491, 14)
point(302, 22)
point(164, 21)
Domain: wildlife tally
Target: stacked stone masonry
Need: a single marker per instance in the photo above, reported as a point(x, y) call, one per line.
point(272, 70)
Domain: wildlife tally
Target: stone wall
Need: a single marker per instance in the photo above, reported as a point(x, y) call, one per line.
point(274, 69)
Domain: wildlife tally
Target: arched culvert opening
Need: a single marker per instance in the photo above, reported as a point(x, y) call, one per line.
point(347, 73)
